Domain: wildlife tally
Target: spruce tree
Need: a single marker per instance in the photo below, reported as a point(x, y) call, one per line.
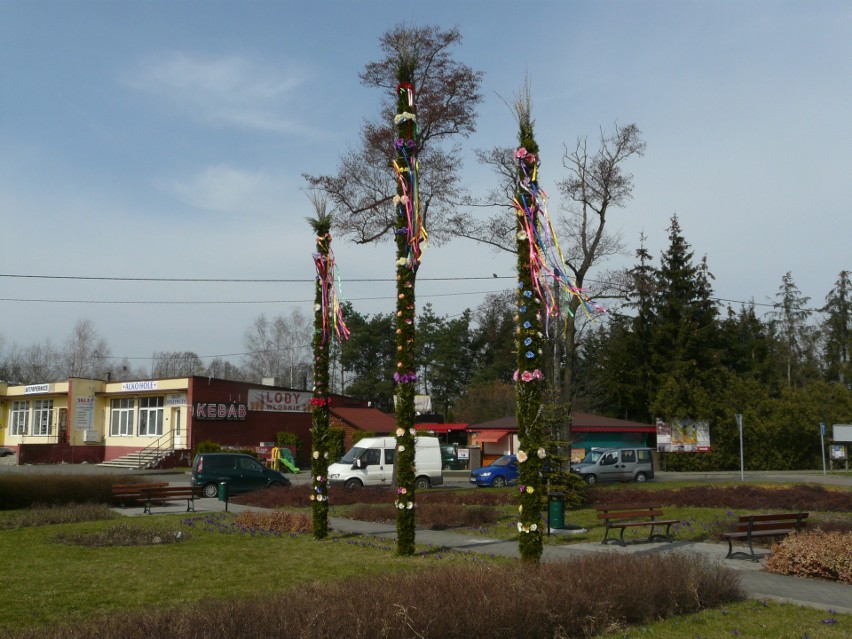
point(837, 331)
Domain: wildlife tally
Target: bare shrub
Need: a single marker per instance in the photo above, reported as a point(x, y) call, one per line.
point(575, 599)
point(124, 535)
point(803, 497)
point(57, 514)
point(23, 491)
point(275, 522)
point(432, 516)
point(813, 553)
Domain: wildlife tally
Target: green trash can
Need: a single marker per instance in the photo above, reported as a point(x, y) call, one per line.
point(556, 510)
point(223, 493)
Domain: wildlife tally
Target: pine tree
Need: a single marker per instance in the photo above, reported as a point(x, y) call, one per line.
point(837, 331)
point(791, 317)
point(683, 349)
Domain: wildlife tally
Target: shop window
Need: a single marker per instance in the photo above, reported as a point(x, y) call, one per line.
point(121, 417)
point(150, 416)
point(19, 418)
point(42, 417)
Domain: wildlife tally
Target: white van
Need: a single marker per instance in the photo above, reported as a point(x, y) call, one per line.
point(615, 464)
point(370, 463)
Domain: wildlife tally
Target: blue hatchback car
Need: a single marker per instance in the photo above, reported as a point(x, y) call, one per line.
point(500, 472)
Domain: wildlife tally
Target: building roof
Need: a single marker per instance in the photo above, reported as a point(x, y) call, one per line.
point(581, 423)
point(366, 419)
point(441, 428)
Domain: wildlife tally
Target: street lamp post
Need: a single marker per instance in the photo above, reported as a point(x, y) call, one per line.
point(742, 459)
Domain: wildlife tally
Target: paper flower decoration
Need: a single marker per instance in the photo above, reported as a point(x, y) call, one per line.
point(522, 457)
point(541, 453)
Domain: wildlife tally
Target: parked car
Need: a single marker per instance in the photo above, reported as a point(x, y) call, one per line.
point(5, 452)
point(449, 458)
point(241, 472)
point(615, 464)
point(370, 463)
point(498, 473)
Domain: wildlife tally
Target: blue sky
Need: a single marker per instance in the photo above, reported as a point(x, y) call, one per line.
point(167, 139)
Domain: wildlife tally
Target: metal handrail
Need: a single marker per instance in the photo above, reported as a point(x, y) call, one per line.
point(156, 444)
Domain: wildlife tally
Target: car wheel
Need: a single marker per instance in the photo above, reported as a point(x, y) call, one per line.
point(421, 483)
point(499, 482)
point(591, 480)
point(641, 478)
point(210, 490)
point(352, 484)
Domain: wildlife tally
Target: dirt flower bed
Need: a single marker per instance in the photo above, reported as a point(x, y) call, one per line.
point(125, 535)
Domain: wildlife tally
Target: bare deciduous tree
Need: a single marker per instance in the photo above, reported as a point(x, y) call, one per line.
point(448, 92)
point(279, 348)
point(86, 354)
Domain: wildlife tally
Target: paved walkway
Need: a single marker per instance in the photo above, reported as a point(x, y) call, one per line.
point(758, 584)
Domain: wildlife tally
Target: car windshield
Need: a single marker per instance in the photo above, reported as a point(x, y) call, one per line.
point(592, 456)
point(352, 455)
point(505, 460)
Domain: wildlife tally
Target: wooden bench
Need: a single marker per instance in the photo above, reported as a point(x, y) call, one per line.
point(751, 527)
point(149, 493)
point(629, 516)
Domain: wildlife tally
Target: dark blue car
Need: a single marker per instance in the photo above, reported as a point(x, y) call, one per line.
point(499, 473)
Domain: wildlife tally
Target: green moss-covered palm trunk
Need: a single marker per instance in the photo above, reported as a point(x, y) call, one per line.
point(320, 401)
point(409, 232)
point(529, 376)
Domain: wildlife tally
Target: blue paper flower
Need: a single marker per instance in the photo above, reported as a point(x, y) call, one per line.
point(529, 354)
point(527, 293)
point(520, 285)
point(522, 309)
point(527, 325)
point(528, 341)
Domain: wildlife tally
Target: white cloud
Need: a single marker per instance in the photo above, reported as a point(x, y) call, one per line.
point(230, 90)
point(228, 189)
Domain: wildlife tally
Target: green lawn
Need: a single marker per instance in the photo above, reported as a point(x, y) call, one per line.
point(44, 581)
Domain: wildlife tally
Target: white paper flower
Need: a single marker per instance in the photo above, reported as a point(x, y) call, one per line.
point(534, 527)
point(413, 431)
point(319, 497)
point(409, 505)
point(313, 497)
point(541, 453)
point(520, 527)
point(316, 454)
point(401, 449)
point(522, 457)
point(400, 432)
point(401, 261)
point(522, 235)
point(400, 505)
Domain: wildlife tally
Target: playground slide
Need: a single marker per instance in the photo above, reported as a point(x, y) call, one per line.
point(288, 464)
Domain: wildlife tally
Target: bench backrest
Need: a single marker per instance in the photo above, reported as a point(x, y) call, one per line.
point(775, 521)
point(628, 512)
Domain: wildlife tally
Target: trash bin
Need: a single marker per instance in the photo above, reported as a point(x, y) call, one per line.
point(223, 493)
point(556, 510)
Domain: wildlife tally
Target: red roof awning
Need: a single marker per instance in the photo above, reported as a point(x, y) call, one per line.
point(491, 436)
point(611, 429)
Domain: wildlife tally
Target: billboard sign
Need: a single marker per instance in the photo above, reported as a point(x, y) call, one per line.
point(683, 436)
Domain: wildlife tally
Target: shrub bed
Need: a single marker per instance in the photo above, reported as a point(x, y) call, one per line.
point(571, 599)
point(815, 553)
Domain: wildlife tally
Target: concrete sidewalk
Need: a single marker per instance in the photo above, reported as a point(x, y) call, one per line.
point(758, 584)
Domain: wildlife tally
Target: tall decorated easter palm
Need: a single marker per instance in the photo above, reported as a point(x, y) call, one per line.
point(410, 232)
point(529, 376)
point(328, 322)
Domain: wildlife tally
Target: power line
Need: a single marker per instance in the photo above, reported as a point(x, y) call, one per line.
point(196, 280)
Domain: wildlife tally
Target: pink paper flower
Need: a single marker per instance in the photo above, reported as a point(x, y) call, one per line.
point(520, 153)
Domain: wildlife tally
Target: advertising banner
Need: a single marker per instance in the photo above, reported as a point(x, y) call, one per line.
point(279, 401)
point(683, 436)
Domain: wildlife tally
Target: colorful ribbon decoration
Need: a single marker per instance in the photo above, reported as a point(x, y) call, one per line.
point(332, 309)
point(547, 264)
point(407, 205)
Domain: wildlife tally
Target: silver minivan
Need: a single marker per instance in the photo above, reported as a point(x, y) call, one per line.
point(615, 464)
